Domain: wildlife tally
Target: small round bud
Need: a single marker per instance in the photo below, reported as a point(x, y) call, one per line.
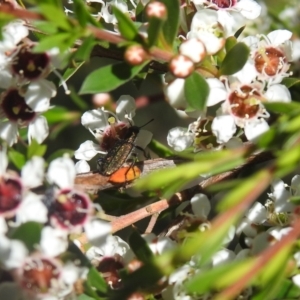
point(181, 66)
point(101, 99)
point(156, 9)
point(135, 55)
point(193, 49)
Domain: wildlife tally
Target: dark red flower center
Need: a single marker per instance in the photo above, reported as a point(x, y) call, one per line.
point(244, 102)
point(109, 267)
point(10, 194)
point(15, 107)
point(70, 208)
point(30, 65)
point(269, 61)
point(38, 275)
point(224, 3)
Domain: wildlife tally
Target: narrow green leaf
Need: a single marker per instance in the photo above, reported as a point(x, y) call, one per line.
point(290, 81)
point(140, 247)
point(109, 78)
point(83, 16)
point(84, 51)
point(282, 108)
point(154, 30)
point(125, 25)
point(55, 15)
point(196, 91)
point(63, 41)
point(84, 297)
point(17, 158)
point(60, 114)
point(170, 27)
point(96, 280)
point(160, 149)
point(230, 43)
point(35, 149)
point(71, 71)
point(29, 233)
point(218, 277)
point(235, 59)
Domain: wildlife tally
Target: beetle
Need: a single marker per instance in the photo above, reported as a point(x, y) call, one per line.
point(120, 151)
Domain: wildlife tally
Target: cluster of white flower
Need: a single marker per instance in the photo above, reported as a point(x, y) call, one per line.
point(108, 127)
point(62, 210)
point(242, 95)
point(27, 94)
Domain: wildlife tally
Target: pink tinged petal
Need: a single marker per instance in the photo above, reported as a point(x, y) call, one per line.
point(97, 232)
point(279, 36)
point(222, 257)
point(217, 92)
point(249, 9)
point(175, 93)
point(125, 107)
point(144, 138)
point(33, 172)
point(38, 95)
point(38, 129)
point(255, 129)
point(87, 151)
point(12, 253)
point(82, 167)
point(179, 139)
point(32, 209)
point(9, 132)
point(201, 205)
point(62, 172)
point(94, 119)
point(257, 213)
point(3, 162)
point(223, 128)
point(194, 49)
point(53, 241)
point(278, 93)
point(295, 185)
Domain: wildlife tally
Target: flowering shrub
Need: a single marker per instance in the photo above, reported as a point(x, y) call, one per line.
point(219, 197)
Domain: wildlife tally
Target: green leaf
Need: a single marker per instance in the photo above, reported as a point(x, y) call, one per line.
point(109, 78)
point(218, 277)
point(170, 27)
point(71, 71)
point(63, 41)
point(230, 43)
point(84, 297)
point(55, 15)
point(196, 91)
point(17, 158)
point(239, 32)
point(35, 149)
point(126, 26)
point(154, 30)
point(46, 27)
point(29, 233)
point(83, 15)
point(160, 149)
point(282, 108)
point(60, 114)
point(235, 59)
point(290, 81)
point(96, 281)
point(84, 51)
point(140, 247)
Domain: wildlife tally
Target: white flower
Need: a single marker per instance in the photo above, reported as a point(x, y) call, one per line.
point(180, 138)
point(200, 205)
point(206, 27)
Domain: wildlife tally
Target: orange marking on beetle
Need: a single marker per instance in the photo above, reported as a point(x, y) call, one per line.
point(125, 174)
